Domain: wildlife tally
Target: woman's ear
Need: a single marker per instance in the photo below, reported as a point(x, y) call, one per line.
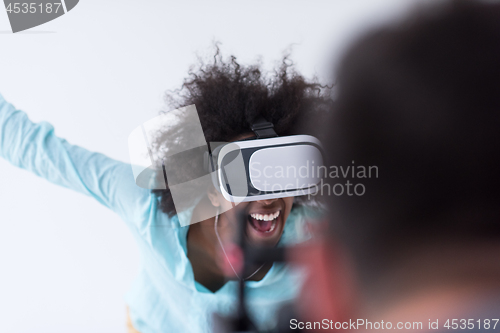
point(213, 196)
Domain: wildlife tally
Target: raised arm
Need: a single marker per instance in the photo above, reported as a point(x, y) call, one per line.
point(35, 147)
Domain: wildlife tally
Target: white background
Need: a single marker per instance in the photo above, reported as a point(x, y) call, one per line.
point(96, 73)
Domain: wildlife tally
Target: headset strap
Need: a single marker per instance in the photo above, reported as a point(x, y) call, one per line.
point(263, 128)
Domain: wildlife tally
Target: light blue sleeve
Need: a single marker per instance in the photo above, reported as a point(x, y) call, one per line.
point(36, 148)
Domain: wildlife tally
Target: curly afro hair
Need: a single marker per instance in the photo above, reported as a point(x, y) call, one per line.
point(228, 97)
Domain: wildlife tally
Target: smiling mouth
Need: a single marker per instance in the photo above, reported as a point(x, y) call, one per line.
point(265, 223)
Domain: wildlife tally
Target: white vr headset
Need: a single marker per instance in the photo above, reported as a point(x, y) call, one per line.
point(265, 166)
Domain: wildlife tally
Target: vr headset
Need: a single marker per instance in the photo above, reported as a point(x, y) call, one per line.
point(265, 166)
point(262, 167)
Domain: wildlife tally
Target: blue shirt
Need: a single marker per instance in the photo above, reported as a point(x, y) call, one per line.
point(164, 297)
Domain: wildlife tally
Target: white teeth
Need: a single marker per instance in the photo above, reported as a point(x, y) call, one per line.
point(265, 217)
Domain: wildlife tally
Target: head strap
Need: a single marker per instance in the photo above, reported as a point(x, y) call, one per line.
point(263, 128)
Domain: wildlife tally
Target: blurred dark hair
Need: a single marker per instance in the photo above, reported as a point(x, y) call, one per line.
point(229, 96)
point(421, 101)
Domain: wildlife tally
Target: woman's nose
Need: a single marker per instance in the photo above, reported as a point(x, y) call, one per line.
point(267, 202)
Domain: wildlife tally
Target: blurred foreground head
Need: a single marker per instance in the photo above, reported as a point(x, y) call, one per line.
point(421, 101)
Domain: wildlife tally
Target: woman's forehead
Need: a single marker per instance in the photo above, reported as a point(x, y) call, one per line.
point(243, 136)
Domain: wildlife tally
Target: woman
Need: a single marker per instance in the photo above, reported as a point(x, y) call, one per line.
point(183, 276)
